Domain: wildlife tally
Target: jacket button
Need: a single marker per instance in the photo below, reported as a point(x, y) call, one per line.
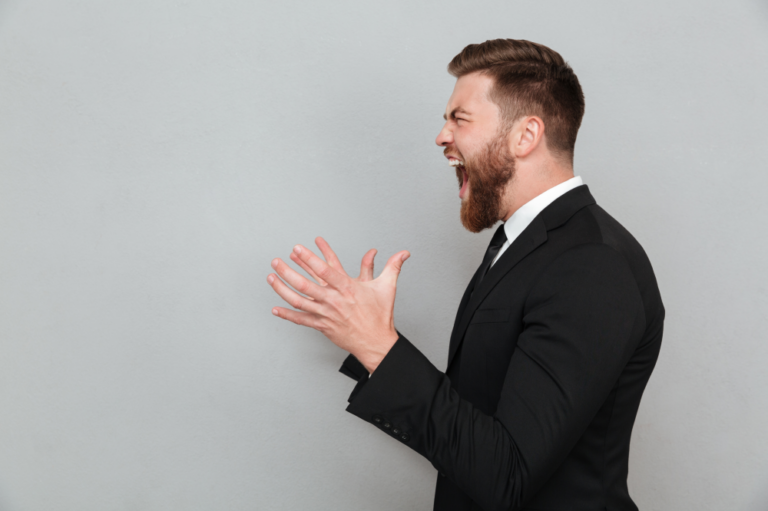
point(404, 437)
point(377, 419)
point(387, 425)
point(396, 431)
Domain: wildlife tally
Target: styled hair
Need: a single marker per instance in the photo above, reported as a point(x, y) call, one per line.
point(529, 79)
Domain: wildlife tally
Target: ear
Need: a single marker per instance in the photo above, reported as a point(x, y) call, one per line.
point(527, 135)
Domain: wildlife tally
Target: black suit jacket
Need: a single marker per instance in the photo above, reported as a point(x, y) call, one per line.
point(548, 360)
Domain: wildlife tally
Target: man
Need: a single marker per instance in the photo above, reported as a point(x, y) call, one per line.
point(557, 332)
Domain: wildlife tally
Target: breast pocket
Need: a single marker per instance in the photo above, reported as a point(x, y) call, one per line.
point(489, 333)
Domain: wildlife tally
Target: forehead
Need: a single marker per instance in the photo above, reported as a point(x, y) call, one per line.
point(471, 94)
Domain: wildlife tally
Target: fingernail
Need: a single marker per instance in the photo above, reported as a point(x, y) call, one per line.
point(297, 249)
point(274, 263)
point(274, 311)
point(271, 279)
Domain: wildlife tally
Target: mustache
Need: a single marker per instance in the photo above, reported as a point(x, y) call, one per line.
point(448, 152)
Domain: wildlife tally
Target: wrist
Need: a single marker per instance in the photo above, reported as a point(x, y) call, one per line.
point(373, 356)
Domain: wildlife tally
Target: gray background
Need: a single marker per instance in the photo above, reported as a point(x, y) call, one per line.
point(155, 156)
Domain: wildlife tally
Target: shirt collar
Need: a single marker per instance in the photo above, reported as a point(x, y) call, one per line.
point(521, 218)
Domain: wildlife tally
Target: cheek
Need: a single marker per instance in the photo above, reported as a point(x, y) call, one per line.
point(461, 149)
point(465, 144)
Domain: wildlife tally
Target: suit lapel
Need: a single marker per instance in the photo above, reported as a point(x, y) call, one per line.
point(531, 238)
point(464, 301)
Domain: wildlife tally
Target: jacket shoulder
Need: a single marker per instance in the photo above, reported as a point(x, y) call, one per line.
point(614, 235)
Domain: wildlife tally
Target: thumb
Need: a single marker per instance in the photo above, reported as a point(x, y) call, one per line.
point(392, 270)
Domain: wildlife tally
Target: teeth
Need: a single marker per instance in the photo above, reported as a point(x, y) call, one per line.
point(455, 163)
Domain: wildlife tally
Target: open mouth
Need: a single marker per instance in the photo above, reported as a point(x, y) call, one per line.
point(461, 175)
point(464, 181)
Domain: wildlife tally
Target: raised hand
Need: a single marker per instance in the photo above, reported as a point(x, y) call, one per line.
point(355, 314)
point(366, 267)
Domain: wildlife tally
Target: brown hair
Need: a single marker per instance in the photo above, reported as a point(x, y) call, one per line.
point(529, 79)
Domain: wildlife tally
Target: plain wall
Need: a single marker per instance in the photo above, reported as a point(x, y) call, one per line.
point(156, 155)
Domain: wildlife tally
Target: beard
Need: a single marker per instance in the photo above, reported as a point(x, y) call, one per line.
point(487, 174)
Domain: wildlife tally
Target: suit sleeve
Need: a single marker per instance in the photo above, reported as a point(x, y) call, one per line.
point(581, 323)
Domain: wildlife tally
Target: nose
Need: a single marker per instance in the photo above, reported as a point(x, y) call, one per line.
point(445, 137)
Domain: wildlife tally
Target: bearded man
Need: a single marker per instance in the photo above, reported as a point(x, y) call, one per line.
point(557, 333)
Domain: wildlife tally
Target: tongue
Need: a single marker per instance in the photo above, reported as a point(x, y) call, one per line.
point(463, 190)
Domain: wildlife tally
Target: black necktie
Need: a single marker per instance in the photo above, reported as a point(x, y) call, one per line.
point(498, 240)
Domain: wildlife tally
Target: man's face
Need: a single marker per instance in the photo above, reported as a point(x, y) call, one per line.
point(476, 147)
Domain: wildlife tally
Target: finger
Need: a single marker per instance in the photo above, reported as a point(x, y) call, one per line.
point(366, 267)
point(392, 270)
point(307, 269)
point(293, 298)
point(335, 278)
point(299, 282)
point(329, 254)
point(300, 318)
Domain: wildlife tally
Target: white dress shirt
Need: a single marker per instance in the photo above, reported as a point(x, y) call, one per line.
point(521, 218)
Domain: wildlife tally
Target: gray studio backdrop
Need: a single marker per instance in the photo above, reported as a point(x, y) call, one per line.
point(156, 155)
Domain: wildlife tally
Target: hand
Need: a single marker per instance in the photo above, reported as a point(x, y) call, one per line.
point(355, 314)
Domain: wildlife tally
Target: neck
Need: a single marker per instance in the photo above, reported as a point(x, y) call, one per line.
point(531, 181)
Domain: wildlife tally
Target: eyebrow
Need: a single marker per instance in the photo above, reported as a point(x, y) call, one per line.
point(453, 112)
